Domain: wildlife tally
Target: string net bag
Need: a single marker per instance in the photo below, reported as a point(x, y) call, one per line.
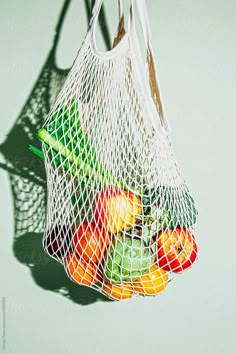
point(120, 217)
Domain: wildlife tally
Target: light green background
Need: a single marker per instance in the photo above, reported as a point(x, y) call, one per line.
point(194, 43)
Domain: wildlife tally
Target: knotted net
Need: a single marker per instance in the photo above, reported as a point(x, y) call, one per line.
point(120, 217)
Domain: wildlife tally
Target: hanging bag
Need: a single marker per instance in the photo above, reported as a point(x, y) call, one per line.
point(120, 217)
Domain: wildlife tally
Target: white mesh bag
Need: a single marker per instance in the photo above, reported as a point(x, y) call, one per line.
point(120, 217)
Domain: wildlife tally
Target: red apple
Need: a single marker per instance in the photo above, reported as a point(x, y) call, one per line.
point(90, 242)
point(177, 249)
point(116, 209)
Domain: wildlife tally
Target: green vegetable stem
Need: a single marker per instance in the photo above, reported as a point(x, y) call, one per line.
point(59, 161)
point(69, 148)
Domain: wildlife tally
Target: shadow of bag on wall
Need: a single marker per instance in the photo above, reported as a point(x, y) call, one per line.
point(28, 179)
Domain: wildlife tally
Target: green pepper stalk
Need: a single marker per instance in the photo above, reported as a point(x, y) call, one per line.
point(59, 161)
point(71, 157)
point(65, 137)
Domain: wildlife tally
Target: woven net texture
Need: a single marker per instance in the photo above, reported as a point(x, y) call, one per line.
point(120, 217)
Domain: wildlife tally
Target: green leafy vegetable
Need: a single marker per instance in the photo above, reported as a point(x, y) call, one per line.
point(171, 207)
point(128, 259)
point(68, 148)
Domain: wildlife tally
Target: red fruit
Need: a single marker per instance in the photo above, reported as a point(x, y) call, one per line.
point(177, 249)
point(90, 242)
point(116, 209)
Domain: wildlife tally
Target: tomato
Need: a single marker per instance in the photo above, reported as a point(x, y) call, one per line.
point(116, 209)
point(90, 242)
point(151, 283)
point(118, 292)
point(80, 271)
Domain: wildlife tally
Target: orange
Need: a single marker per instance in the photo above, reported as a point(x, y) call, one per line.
point(151, 283)
point(118, 292)
point(80, 271)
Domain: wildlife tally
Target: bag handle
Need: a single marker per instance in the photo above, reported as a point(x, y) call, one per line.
point(144, 19)
point(121, 27)
point(95, 14)
point(145, 24)
point(60, 22)
point(153, 81)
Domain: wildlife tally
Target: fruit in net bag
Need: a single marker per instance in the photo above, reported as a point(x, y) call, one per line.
point(177, 249)
point(151, 283)
point(118, 291)
point(116, 209)
point(80, 271)
point(90, 242)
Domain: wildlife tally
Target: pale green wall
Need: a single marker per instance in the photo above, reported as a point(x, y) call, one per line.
point(194, 43)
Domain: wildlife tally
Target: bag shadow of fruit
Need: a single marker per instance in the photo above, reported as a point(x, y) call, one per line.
point(28, 180)
point(48, 274)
